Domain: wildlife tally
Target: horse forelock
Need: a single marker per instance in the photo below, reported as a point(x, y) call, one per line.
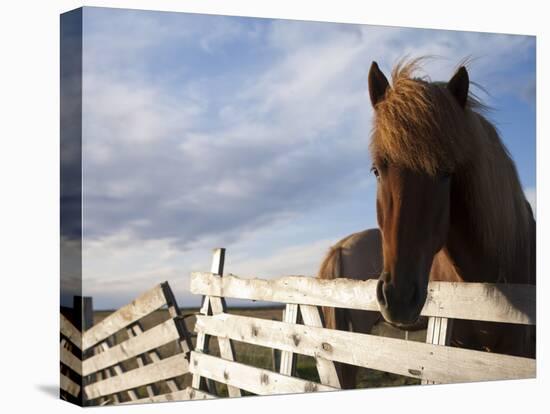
point(419, 125)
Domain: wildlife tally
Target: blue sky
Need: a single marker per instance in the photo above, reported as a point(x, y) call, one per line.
point(252, 134)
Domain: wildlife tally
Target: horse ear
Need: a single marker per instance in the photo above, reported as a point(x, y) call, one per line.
point(458, 86)
point(378, 84)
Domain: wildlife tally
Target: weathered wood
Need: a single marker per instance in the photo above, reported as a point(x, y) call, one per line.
point(412, 359)
point(68, 385)
point(217, 305)
point(325, 367)
point(181, 395)
point(252, 379)
point(70, 360)
point(475, 301)
point(167, 368)
point(437, 333)
point(150, 339)
point(113, 399)
point(140, 359)
point(70, 332)
point(287, 364)
point(155, 357)
point(185, 343)
point(102, 374)
point(202, 346)
point(140, 307)
point(104, 347)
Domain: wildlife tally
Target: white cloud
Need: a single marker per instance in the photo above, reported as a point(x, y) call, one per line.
point(302, 259)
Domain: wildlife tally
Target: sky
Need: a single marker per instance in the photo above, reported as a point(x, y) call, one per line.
point(203, 131)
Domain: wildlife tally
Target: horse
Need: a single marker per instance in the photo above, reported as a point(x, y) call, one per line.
point(357, 256)
point(449, 203)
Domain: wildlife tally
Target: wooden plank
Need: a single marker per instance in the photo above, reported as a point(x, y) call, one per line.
point(140, 307)
point(409, 358)
point(104, 347)
point(252, 379)
point(99, 375)
point(217, 305)
point(70, 360)
point(155, 357)
point(181, 395)
point(70, 332)
point(325, 367)
point(114, 399)
point(475, 301)
point(438, 333)
point(68, 385)
point(140, 359)
point(202, 344)
point(150, 339)
point(287, 364)
point(185, 342)
point(167, 368)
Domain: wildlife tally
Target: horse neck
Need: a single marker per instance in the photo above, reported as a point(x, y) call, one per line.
point(466, 258)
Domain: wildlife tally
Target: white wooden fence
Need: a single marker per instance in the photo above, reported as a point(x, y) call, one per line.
point(122, 362)
point(132, 369)
point(429, 362)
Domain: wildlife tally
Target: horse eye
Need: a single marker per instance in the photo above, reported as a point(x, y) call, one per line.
point(375, 171)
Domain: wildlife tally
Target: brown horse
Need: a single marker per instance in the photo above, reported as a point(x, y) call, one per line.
point(449, 205)
point(449, 202)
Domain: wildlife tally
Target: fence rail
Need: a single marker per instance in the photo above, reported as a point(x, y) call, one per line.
point(475, 301)
point(412, 359)
point(121, 359)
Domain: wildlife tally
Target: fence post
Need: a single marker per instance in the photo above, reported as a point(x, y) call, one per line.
point(325, 368)
point(84, 315)
point(214, 305)
point(438, 333)
point(287, 364)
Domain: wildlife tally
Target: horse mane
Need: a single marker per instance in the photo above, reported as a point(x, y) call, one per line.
point(419, 125)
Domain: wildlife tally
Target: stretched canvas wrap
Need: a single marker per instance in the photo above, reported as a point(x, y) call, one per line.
point(259, 206)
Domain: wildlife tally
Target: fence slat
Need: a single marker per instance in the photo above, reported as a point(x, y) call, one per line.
point(202, 344)
point(68, 385)
point(69, 359)
point(438, 333)
point(149, 302)
point(475, 301)
point(154, 356)
point(216, 305)
point(167, 368)
point(118, 368)
point(140, 359)
point(287, 364)
point(150, 339)
point(252, 379)
point(412, 359)
point(325, 367)
point(181, 395)
point(70, 332)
